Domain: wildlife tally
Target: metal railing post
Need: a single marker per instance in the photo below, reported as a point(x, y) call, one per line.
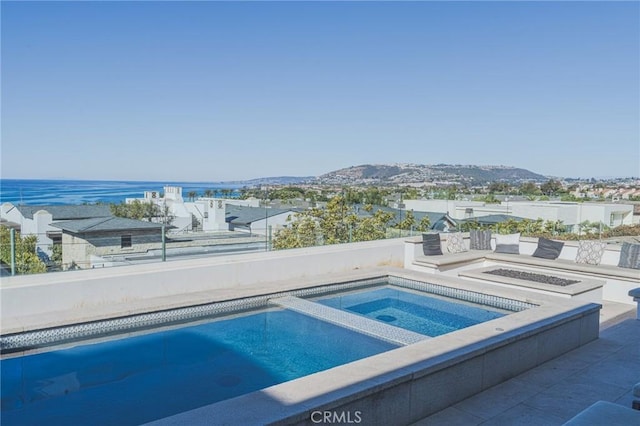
point(12, 235)
point(164, 245)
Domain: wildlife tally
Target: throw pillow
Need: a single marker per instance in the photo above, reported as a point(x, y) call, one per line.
point(629, 256)
point(431, 244)
point(590, 252)
point(455, 243)
point(548, 249)
point(509, 243)
point(480, 240)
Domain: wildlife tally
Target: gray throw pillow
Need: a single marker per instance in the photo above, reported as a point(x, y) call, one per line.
point(548, 249)
point(480, 240)
point(431, 244)
point(629, 256)
point(509, 243)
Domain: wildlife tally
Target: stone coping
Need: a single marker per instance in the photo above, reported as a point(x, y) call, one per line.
point(451, 258)
point(584, 286)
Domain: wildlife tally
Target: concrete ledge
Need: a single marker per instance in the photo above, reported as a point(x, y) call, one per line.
point(450, 259)
point(605, 413)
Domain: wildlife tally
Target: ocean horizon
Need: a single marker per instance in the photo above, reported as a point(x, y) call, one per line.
point(59, 191)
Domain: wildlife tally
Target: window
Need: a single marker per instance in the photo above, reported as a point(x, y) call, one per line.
point(125, 241)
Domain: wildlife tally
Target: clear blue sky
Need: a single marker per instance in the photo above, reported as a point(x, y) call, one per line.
point(206, 91)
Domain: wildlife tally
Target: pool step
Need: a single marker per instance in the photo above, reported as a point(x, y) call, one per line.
point(354, 322)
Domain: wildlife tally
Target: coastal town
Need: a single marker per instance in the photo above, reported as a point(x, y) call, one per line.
point(169, 224)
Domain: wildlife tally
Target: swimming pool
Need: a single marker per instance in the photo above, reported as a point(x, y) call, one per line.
point(143, 375)
point(138, 379)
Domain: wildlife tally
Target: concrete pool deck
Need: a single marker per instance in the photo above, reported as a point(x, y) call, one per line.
point(552, 393)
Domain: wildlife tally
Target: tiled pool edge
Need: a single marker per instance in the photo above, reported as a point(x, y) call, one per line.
point(397, 387)
point(34, 339)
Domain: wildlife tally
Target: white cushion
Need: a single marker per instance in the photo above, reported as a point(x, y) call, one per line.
point(455, 243)
point(590, 252)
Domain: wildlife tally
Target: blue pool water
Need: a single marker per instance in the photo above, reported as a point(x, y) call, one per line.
point(420, 313)
point(138, 379)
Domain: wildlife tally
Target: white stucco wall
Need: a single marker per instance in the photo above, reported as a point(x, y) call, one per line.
point(46, 294)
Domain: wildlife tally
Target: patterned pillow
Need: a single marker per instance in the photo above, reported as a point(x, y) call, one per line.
point(480, 240)
point(509, 243)
point(629, 256)
point(431, 244)
point(590, 252)
point(455, 243)
point(548, 249)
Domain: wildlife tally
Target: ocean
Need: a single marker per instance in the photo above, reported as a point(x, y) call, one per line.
point(47, 192)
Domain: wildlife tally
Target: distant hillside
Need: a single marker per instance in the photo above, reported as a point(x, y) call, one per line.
point(416, 173)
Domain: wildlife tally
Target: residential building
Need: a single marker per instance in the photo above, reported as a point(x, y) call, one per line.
point(85, 240)
point(570, 213)
point(257, 220)
point(205, 214)
point(37, 220)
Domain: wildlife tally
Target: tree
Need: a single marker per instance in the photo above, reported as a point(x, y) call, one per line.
point(303, 231)
point(499, 187)
point(27, 261)
point(334, 224)
point(148, 211)
point(408, 222)
point(490, 199)
point(192, 195)
point(424, 225)
point(208, 193)
point(529, 188)
point(551, 187)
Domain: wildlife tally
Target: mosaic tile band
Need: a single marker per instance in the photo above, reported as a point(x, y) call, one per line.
point(45, 337)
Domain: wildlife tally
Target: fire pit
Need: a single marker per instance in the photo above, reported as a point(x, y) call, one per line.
point(538, 281)
point(531, 276)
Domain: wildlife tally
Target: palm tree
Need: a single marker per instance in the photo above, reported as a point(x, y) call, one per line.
point(208, 193)
point(192, 195)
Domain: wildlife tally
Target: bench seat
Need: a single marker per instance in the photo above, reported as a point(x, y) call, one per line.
point(450, 259)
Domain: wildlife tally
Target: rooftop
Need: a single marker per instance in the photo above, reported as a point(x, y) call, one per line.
point(551, 393)
point(106, 224)
point(67, 212)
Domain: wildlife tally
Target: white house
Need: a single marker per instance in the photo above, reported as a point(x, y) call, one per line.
point(570, 213)
point(36, 220)
point(208, 212)
point(257, 220)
